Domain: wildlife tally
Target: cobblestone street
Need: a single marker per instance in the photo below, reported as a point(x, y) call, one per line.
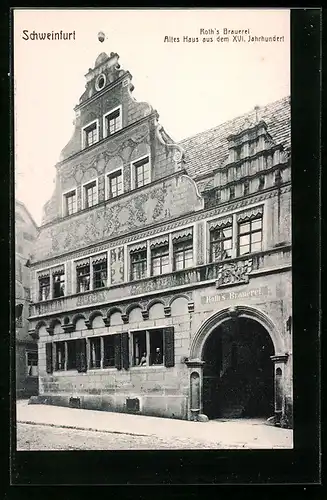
point(45, 427)
point(44, 438)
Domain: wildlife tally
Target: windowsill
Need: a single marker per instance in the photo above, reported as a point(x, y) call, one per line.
point(97, 370)
point(155, 367)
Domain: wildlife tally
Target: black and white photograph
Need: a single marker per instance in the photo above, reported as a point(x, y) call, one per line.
point(153, 229)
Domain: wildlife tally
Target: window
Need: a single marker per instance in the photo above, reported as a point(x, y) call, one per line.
point(71, 355)
point(261, 182)
point(108, 351)
point(100, 274)
point(95, 352)
point(160, 260)
point(183, 254)
point(90, 134)
point(141, 172)
point(246, 188)
point(115, 184)
point(238, 153)
point(90, 194)
point(70, 203)
point(220, 244)
point(232, 192)
point(153, 347)
point(44, 288)
point(250, 236)
point(60, 356)
point(19, 315)
point(138, 265)
point(83, 278)
point(112, 122)
point(58, 284)
point(32, 370)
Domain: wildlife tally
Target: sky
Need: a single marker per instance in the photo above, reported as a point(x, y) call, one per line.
point(194, 86)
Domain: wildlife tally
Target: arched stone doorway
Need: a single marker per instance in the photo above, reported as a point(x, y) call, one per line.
point(242, 346)
point(238, 373)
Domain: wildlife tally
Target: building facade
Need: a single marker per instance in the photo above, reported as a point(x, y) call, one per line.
point(162, 271)
point(26, 347)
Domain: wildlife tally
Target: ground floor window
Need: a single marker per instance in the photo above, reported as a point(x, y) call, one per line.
point(68, 355)
point(95, 352)
point(153, 347)
point(32, 363)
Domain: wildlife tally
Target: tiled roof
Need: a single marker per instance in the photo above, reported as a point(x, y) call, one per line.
point(207, 150)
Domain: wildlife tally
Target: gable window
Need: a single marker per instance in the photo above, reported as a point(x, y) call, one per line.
point(261, 182)
point(138, 264)
point(90, 134)
point(250, 236)
point(44, 288)
point(70, 203)
point(160, 260)
point(183, 253)
point(115, 184)
point(141, 172)
point(83, 278)
point(220, 243)
point(90, 194)
point(232, 192)
point(58, 283)
point(153, 347)
point(100, 274)
point(112, 122)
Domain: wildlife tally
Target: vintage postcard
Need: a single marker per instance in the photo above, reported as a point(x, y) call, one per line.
point(153, 229)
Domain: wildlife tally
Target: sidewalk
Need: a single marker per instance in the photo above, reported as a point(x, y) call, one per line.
point(226, 434)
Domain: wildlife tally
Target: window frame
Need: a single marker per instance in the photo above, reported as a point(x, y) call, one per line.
point(84, 194)
point(131, 264)
point(190, 247)
point(134, 170)
point(65, 196)
point(107, 180)
point(152, 258)
point(148, 349)
point(104, 121)
point(35, 352)
point(53, 296)
point(105, 265)
point(220, 240)
point(77, 280)
point(84, 132)
point(249, 234)
point(40, 299)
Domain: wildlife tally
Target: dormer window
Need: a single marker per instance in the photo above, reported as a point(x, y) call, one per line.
point(90, 134)
point(141, 172)
point(112, 121)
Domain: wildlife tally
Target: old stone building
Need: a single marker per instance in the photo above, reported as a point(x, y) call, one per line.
point(26, 347)
point(162, 271)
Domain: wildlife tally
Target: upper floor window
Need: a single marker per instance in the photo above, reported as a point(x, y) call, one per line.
point(141, 172)
point(250, 236)
point(232, 192)
point(70, 205)
point(160, 260)
point(112, 122)
point(261, 182)
point(114, 184)
point(90, 134)
point(100, 274)
point(138, 264)
point(83, 278)
point(90, 194)
point(246, 188)
point(183, 254)
point(58, 284)
point(221, 243)
point(44, 288)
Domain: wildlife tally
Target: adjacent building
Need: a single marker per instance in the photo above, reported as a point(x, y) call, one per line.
point(26, 347)
point(161, 276)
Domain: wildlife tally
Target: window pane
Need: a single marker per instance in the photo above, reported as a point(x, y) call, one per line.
point(256, 247)
point(156, 347)
point(60, 355)
point(139, 349)
point(244, 228)
point(256, 224)
point(95, 353)
point(71, 355)
point(244, 240)
point(108, 351)
point(255, 237)
point(244, 250)
point(227, 233)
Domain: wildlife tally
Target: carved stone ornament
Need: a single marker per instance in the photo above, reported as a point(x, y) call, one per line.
point(234, 273)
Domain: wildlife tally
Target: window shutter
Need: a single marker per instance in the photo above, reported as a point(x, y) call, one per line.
point(117, 341)
point(169, 346)
point(81, 361)
point(125, 350)
point(48, 357)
